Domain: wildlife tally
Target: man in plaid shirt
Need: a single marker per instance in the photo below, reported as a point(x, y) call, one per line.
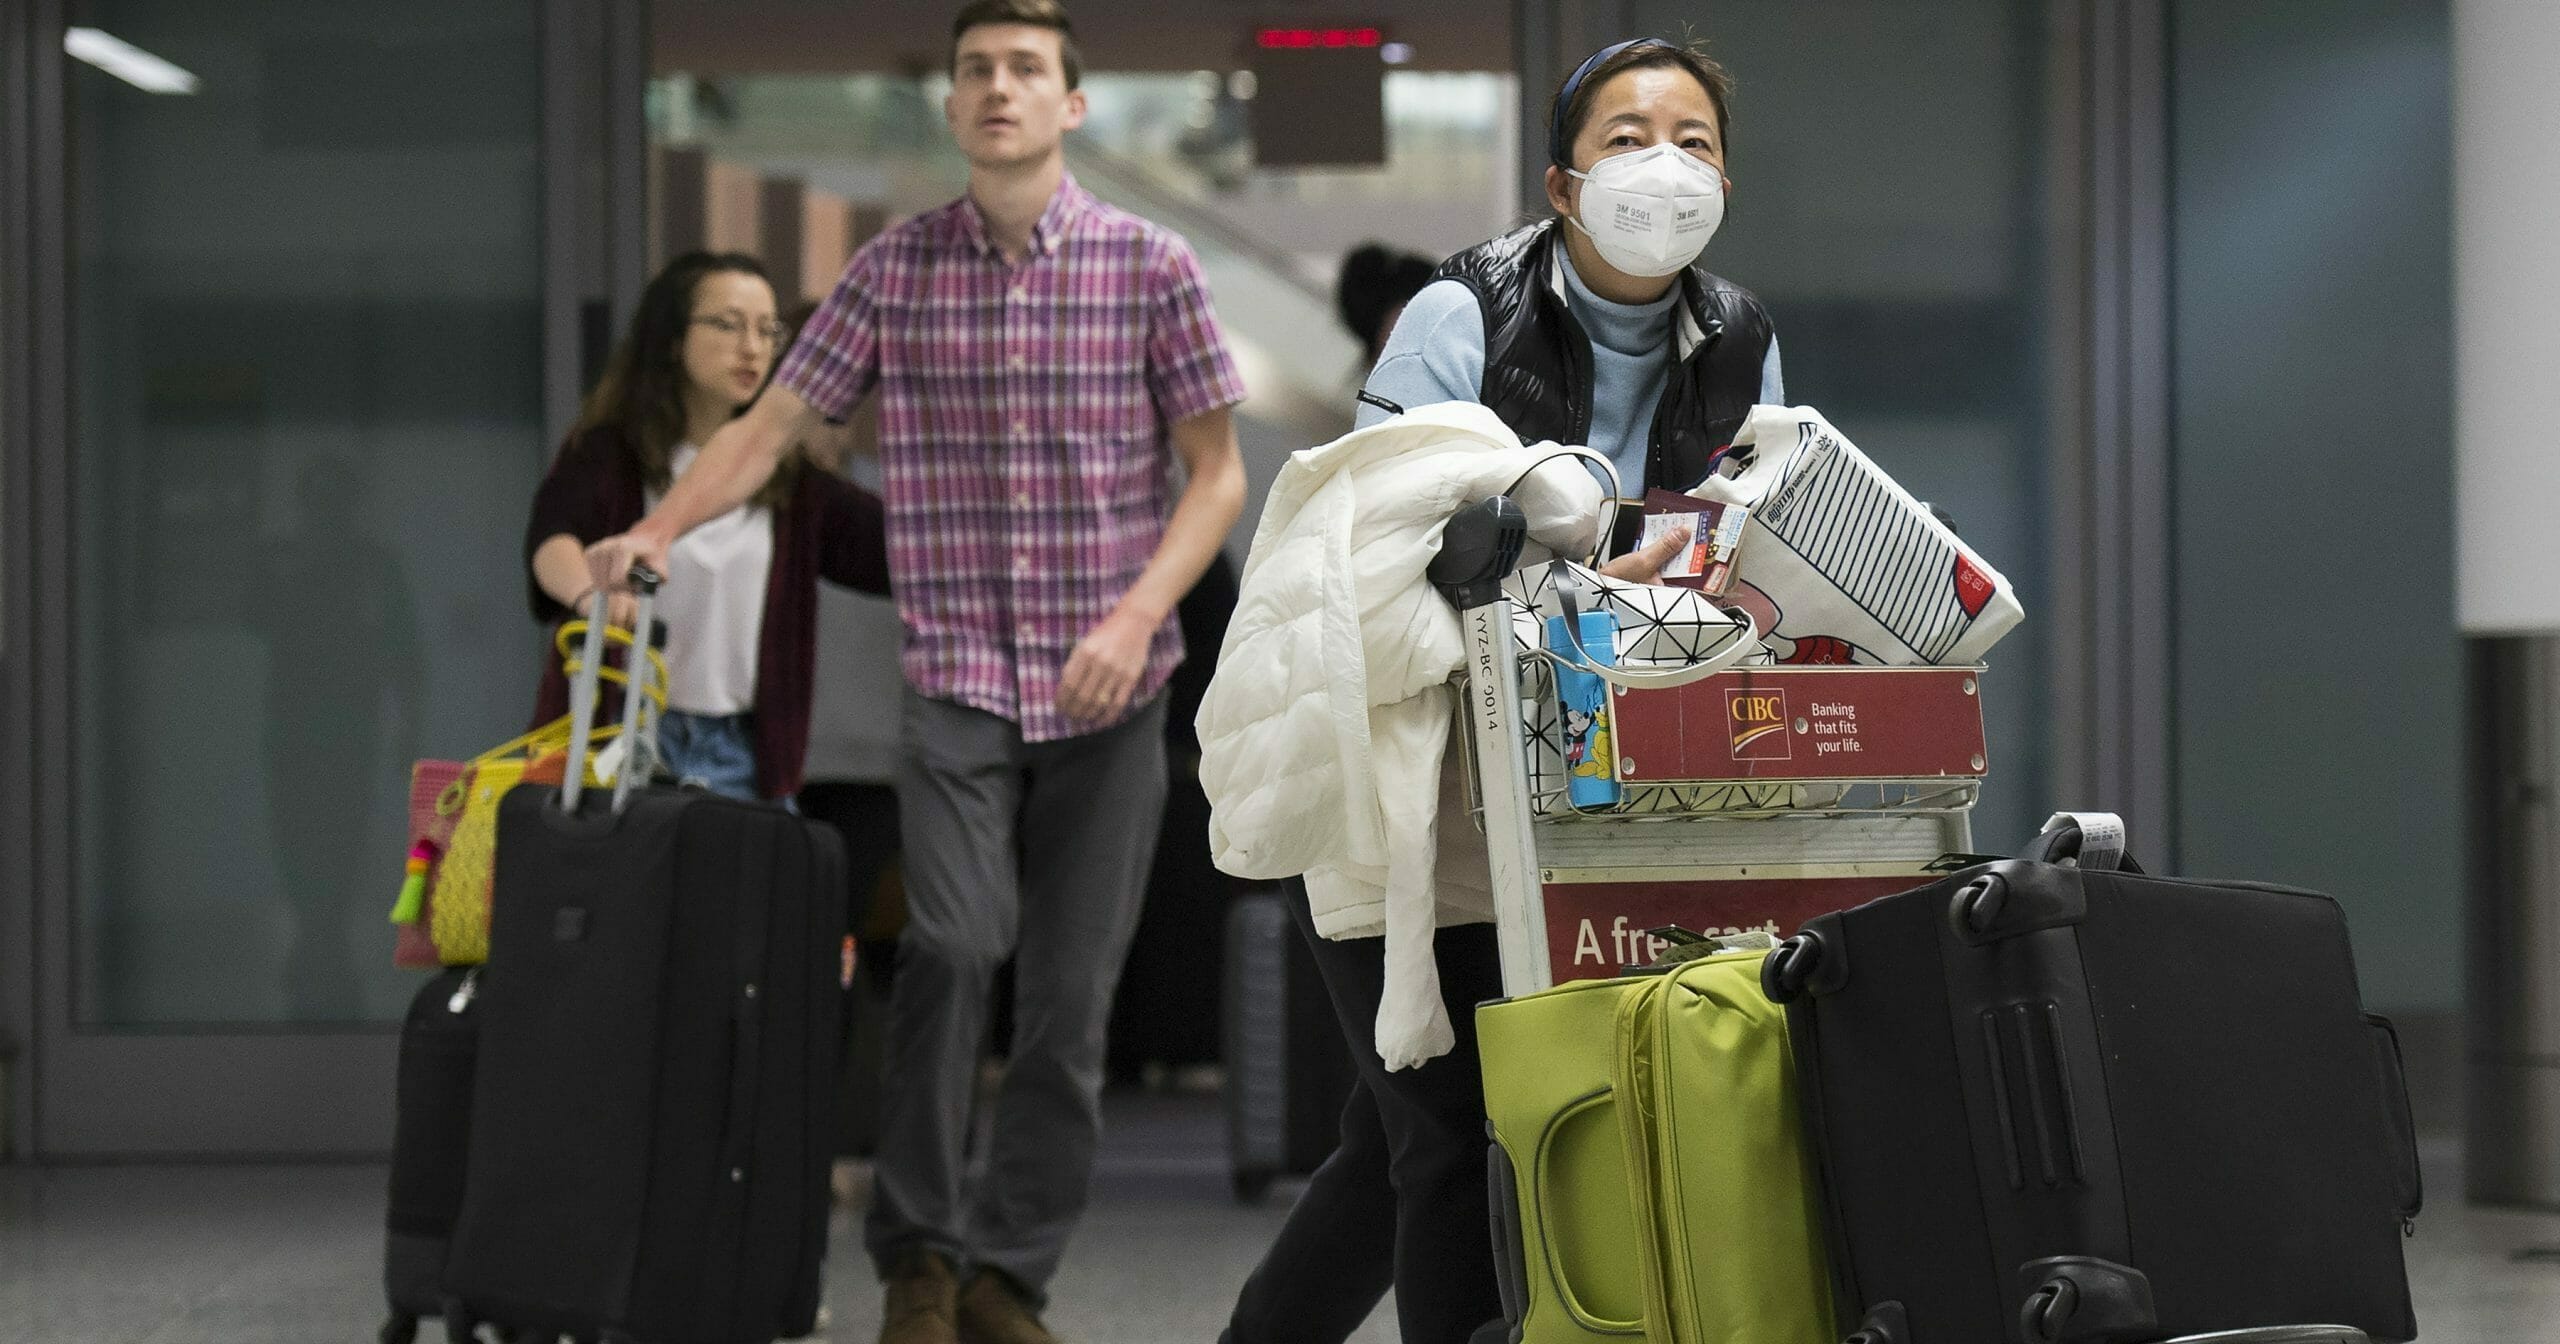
point(1036, 354)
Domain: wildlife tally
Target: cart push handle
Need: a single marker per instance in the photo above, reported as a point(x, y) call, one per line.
point(1481, 543)
point(1480, 546)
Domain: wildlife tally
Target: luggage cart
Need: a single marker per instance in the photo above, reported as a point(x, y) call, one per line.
point(1753, 799)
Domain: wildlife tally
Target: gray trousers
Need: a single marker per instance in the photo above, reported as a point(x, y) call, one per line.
point(1038, 851)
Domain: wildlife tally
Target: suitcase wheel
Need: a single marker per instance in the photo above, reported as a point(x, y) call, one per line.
point(1786, 971)
point(1886, 1323)
point(460, 1326)
point(2048, 1311)
point(402, 1328)
point(1977, 906)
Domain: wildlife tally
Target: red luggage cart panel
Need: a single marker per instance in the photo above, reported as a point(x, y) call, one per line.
point(1597, 929)
point(1774, 723)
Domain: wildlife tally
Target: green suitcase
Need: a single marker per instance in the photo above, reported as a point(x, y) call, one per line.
point(1728, 1211)
point(1565, 1228)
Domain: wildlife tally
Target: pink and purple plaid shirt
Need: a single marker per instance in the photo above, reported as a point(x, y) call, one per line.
point(1023, 445)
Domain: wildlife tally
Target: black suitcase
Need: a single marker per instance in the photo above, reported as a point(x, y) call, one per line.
point(865, 817)
point(2056, 1103)
point(1166, 1010)
point(431, 1130)
point(1288, 1070)
point(653, 1121)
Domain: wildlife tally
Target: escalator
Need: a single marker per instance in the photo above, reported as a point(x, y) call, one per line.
point(1300, 367)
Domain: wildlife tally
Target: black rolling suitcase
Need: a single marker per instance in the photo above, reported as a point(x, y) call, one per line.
point(653, 1120)
point(439, 1050)
point(865, 817)
point(1288, 1070)
point(1166, 1011)
point(2056, 1103)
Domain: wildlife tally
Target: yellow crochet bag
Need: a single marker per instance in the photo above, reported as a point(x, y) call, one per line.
point(442, 915)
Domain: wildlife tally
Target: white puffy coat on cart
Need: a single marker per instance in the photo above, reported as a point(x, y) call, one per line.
point(1324, 737)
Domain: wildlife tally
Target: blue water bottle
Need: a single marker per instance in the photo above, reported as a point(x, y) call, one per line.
point(1582, 698)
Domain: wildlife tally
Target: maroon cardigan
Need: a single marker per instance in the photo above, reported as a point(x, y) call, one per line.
point(830, 528)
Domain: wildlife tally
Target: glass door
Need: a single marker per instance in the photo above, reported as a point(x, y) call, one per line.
point(314, 330)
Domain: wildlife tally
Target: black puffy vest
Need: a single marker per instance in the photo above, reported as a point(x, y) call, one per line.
point(1537, 359)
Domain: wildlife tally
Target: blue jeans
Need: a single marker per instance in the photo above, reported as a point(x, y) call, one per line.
point(713, 751)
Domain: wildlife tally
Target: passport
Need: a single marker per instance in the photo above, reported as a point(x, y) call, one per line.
point(1715, 534)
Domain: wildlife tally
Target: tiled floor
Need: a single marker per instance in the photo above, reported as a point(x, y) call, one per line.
point(290, 1255)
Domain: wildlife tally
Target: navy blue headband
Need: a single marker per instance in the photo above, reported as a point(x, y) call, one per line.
point(1559, 153)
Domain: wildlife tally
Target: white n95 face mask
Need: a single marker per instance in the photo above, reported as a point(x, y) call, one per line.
point(1651, 211)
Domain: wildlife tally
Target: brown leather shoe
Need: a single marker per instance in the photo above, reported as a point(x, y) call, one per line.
point(994, 1311)
point(922, 1301)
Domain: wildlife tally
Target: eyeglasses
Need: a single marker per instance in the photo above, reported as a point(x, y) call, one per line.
point(735, 327)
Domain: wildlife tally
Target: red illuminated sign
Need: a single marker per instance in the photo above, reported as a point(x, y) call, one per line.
point(1301, 39)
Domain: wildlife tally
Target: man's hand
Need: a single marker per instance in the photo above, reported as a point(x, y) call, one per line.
point(609, 561)
point(736, 461)
point(1105, 666)
point(1644, 564)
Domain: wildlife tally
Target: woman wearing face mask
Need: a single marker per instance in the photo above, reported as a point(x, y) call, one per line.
point(741, 597)
point(1596, 327)
point(1600, 326)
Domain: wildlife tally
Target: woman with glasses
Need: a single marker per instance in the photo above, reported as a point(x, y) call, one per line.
point(740, 602)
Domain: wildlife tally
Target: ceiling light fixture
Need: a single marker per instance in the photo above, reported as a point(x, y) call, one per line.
point(126, 61)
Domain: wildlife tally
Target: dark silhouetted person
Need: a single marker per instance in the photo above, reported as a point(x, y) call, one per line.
point(345, 691)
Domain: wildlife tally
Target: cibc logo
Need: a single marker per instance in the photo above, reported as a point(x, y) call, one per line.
point(1757, 719)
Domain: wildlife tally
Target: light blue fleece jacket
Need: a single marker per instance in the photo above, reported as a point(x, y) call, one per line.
point(1436, 354)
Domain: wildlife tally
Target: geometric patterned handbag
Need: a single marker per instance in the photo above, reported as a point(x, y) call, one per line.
point(1658, 627)
point(1665, 635)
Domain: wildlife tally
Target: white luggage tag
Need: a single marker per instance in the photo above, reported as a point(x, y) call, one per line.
point(2101, 838)
point(608, 761)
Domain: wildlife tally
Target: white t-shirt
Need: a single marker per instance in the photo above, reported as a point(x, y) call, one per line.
point(713, 604)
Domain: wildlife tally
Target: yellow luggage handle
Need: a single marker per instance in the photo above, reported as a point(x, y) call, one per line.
point(554, 736)
point(570, 663)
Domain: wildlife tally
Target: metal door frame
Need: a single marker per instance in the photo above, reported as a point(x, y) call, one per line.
point(2113, 717)
point(33, 410)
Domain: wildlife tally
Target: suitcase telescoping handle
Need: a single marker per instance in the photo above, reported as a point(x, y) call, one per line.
point(639, 736)
point(2093, 841)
